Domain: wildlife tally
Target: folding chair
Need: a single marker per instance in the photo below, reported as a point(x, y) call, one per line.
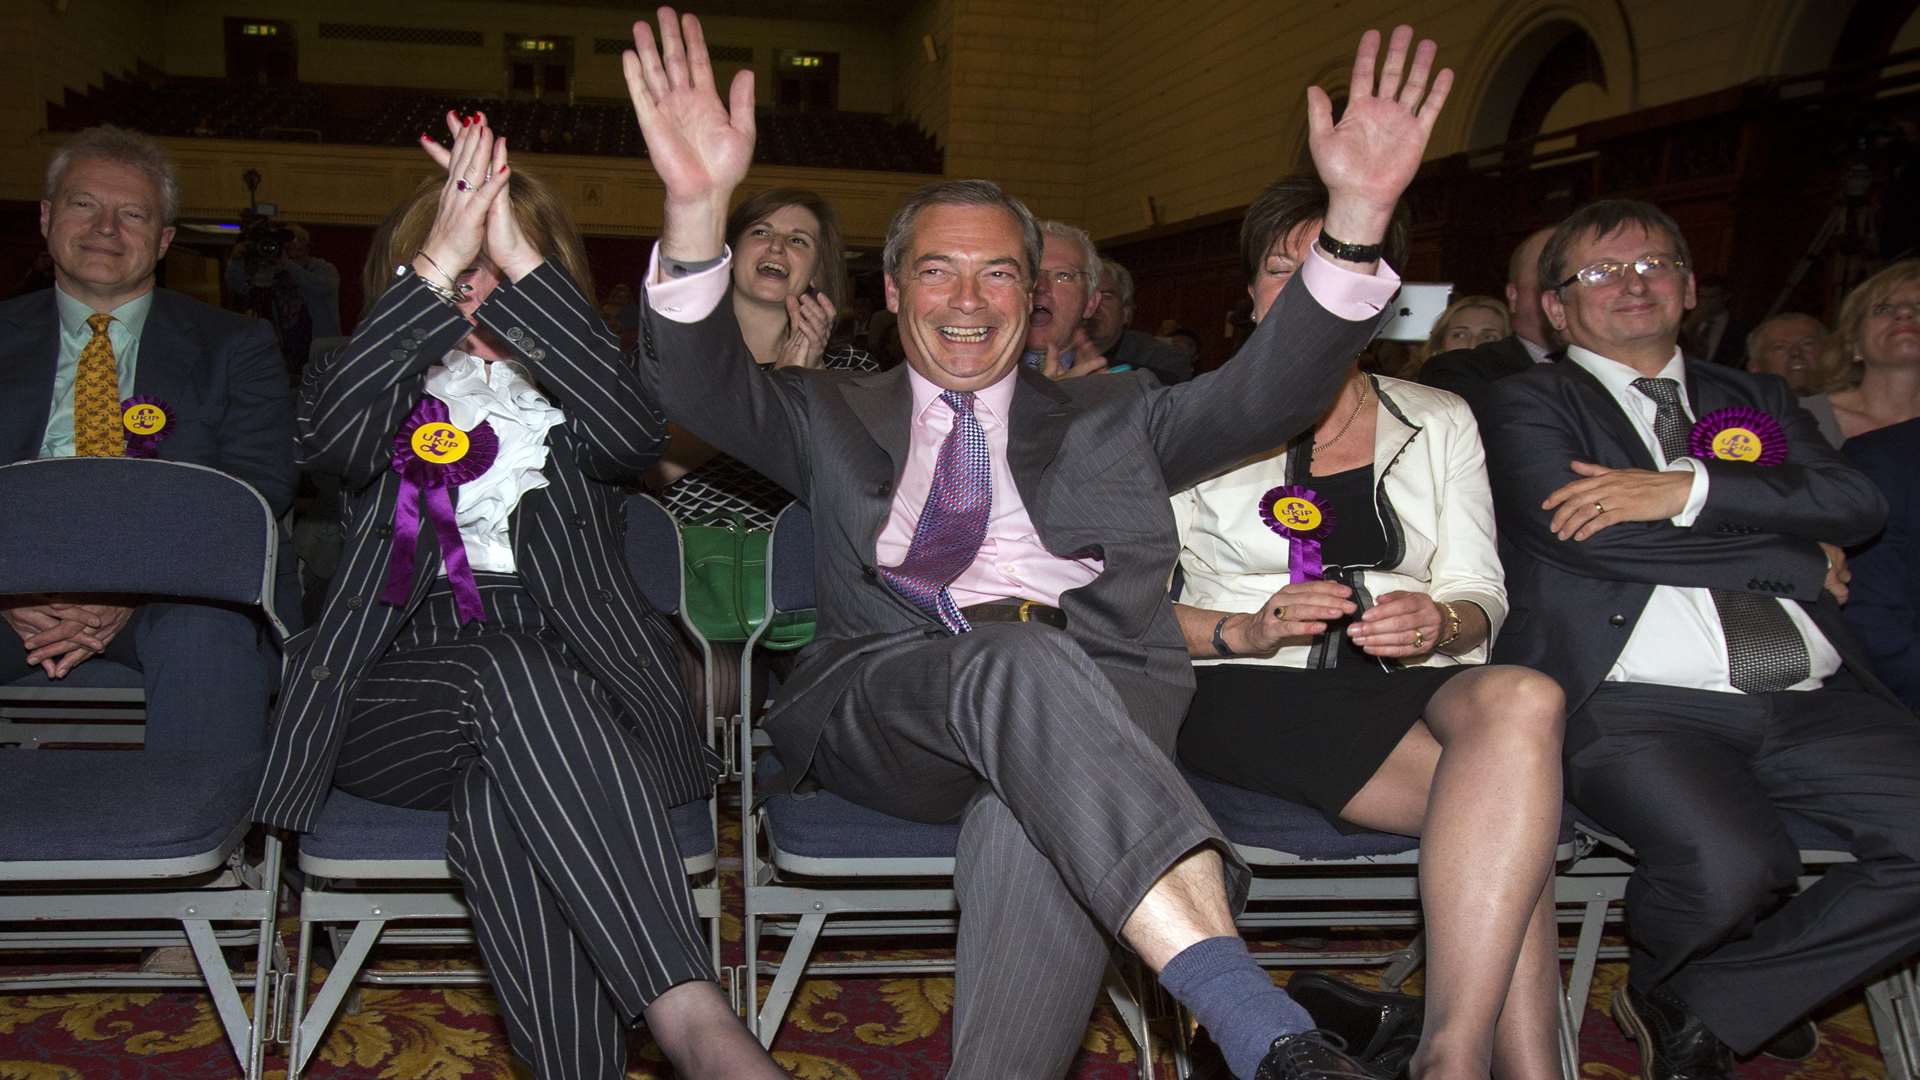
point(1309, 875)
point(154, 837)
point(1893, 999)
point(367, 864)
point(829, 868)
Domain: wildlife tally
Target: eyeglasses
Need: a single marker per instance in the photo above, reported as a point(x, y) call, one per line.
point(1060, 277)
point(1606, 273)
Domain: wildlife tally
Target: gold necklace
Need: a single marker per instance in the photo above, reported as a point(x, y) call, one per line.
point(1361, 400)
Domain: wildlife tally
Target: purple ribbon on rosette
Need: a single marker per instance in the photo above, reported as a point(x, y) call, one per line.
point(1738, 434)
point(147, 420)
point(1299, 514)
point(433, 456)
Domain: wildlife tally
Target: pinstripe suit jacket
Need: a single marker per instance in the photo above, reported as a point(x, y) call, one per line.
point(567, 537)
point(1094, 461)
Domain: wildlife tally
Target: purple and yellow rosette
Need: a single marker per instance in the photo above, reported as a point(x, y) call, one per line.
point(433, 457)
point(147, 421)
point(1738, 434)
point(1299, 514)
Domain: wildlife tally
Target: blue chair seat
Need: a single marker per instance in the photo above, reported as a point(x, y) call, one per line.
point(352, 828)
point(1256, 820)
point(86, 805)
point(822, 825)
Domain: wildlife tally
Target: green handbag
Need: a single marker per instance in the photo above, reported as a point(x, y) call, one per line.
point(726, 584)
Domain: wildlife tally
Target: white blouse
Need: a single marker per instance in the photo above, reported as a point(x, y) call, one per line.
point(501, 394)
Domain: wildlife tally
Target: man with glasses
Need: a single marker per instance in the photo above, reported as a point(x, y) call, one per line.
point(1065, 292)
point(1665, 517)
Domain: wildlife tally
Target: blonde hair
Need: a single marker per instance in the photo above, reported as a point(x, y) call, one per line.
point(121, 146)
point(1839, 365)
point(543, 217)
point(1436, 339)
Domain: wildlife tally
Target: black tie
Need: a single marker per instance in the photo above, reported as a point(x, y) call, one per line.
point(1765, 651)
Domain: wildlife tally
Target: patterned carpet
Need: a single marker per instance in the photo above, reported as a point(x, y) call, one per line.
point(857, 1028)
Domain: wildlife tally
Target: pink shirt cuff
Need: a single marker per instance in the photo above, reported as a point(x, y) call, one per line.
point(1351, 295)
point(692, 298)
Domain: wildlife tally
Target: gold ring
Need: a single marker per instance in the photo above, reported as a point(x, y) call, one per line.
point(1599, 507)
point(1280, 613)
point(1419, 638)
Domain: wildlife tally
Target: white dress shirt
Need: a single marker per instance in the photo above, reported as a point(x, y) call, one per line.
point(1679, 640)
point(501, 394)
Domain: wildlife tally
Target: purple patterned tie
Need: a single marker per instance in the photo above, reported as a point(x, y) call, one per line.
point(953, 523)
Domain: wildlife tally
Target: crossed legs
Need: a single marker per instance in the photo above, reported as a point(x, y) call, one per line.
point(1479, 782)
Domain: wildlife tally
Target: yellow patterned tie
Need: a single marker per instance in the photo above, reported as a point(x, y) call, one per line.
point(96, 397)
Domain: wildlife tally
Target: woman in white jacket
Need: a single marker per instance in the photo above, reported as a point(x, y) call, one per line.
point(1339, 596)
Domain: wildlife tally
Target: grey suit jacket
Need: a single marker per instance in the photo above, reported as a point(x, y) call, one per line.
point(232, 409)
point(1094, 460)
point(1575, 604)
point(568, 538)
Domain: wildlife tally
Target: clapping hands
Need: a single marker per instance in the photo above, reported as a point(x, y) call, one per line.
point(809, 324)
point(476, 217)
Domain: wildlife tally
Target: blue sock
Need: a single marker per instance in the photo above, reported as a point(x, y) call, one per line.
point(1217, 980)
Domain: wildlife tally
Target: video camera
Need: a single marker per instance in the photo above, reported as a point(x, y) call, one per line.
point(265, 237)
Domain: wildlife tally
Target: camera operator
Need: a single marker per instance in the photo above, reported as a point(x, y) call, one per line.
point(274, 274)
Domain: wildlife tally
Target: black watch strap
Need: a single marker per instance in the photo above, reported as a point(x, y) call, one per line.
point(1349, 252)
point(1220, 643)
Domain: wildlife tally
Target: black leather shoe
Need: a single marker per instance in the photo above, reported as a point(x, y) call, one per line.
point(1674, 1043)
point(1797, 1043)
point(1311, 1055)
point(1366, 1019)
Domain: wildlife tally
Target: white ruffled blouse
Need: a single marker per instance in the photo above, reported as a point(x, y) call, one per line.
point(501, 394)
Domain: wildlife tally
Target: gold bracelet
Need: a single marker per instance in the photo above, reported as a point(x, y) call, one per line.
point(439, 290)
point(1453, 626)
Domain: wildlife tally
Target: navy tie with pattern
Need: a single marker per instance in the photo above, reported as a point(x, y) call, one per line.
point(953, 523)
point(1765, 651)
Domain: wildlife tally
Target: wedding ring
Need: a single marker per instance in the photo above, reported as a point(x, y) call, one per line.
point(1599, 507)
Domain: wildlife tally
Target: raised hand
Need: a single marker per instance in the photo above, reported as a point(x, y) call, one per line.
point(809, 324)
point(505, 243)
point(475, 179)
point(699, 147)
point(1370, 156)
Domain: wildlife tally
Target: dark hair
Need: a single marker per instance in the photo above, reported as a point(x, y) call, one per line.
point(1292, 201)
point(1603, 218)
point(959, 193)
point(830, 268)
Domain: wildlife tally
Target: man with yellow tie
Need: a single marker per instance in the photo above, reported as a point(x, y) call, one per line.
point(105, 365)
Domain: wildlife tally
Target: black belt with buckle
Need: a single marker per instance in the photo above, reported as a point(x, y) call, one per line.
point(1021, 611)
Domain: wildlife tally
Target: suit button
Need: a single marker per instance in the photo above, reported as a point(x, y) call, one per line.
point(579, 521)
point(320, 673)
point(1616, 620)
point(537, 354)
point(605, 595)
point(884, 489)
point(420, 333)
point(384, 532)
point(516, 334)
point(399, 355)
point(870, 572)
point(355, 603)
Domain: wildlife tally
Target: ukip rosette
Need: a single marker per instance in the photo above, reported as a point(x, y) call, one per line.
point(147, 421)
point(433, 456)
point(1739, 434)
point(1304, 519)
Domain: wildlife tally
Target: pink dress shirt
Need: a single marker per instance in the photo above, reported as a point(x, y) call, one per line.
point(1012, 564)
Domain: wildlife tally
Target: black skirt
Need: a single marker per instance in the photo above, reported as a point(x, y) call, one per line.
point(1309, 736)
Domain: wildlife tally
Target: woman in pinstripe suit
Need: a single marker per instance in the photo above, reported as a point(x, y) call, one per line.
point(517, 680)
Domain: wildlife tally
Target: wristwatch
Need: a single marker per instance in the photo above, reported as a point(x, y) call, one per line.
point(1220, 643)
point(1346, 252)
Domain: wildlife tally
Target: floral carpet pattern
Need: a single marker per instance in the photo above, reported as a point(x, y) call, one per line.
point(853, 1028)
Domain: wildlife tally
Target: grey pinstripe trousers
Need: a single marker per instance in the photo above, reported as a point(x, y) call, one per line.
point(579, 899)
point(1069, 813)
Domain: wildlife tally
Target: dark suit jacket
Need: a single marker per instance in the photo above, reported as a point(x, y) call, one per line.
point(1094, 461)
point(1575, 603)
point(220, 372)
point(1885, 605)
point(1469, 372)
point(1148, 353)
point(568, 546)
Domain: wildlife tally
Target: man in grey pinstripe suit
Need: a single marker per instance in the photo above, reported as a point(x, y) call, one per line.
point(1046, 734)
